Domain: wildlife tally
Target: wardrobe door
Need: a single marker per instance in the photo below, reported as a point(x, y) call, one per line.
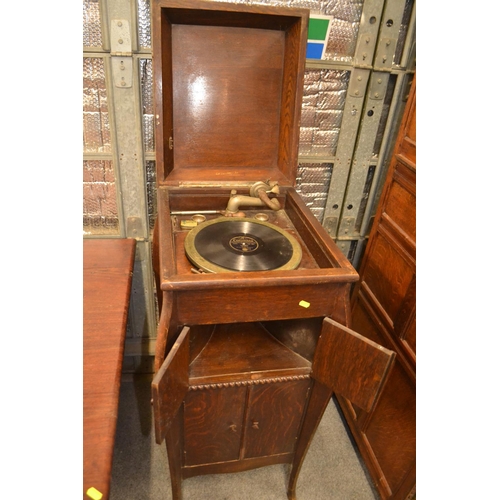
point(384, 310)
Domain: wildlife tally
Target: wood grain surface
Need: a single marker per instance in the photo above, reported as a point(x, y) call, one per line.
point(107, 281)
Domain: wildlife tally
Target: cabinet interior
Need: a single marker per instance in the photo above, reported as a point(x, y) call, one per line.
point(252, 351)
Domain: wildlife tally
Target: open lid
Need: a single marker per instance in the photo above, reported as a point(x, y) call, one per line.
point(228, 91)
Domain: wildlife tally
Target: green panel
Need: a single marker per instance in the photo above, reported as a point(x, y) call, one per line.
point(318, 28)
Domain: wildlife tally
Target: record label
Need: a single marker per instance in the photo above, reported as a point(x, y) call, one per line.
point(245, 244)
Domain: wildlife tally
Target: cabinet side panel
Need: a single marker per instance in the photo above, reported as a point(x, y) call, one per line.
point(401, 201)
point(392, 428)
point(390, 432)
point(387, 274)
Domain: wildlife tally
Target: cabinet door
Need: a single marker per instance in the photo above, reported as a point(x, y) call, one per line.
point(213, 421)
point(170, 385)
point(273, 417)
point(351, 365)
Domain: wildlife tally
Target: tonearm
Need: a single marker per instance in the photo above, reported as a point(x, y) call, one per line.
point(258, 197)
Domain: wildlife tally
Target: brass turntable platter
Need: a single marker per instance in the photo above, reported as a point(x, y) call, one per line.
point(242, 244)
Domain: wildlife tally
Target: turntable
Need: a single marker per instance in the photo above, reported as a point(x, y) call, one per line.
point(251, 288)
point(226, 244)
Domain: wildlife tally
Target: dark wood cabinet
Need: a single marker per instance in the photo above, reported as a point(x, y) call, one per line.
point(246, 359)
point(384, 310)
point(233, 397)
point(243, 422)
point(237, 406)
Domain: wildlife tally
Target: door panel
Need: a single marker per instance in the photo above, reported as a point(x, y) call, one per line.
point(351, 365)
point(213, 420)
point(170, 385)
point(274, 417)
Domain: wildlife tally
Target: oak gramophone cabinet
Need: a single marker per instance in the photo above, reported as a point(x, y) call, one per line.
point(254, 335)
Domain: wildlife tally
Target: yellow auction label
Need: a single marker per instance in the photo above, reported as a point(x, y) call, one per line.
point(94, 493)
point(304, 303)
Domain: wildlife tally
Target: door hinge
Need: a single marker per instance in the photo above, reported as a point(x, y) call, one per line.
point(121, 53)
point(135, 228)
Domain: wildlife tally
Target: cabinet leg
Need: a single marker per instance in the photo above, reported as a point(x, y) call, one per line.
point(174, 451)
point(318, 401)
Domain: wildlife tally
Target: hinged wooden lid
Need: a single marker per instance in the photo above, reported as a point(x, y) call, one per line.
point(228, 91)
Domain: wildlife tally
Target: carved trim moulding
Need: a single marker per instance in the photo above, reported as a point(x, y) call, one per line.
point(242, 383)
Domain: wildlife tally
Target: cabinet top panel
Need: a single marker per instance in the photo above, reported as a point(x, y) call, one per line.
point(228, 89)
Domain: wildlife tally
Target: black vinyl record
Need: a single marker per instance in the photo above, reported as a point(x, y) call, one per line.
point(241, 245)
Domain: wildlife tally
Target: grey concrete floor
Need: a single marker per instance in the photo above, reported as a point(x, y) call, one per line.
point(331, 470)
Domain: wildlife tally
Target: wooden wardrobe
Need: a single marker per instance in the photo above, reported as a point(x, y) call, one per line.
point(383, 310)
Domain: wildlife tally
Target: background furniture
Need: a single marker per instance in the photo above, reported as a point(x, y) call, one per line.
point(107, 279)
point(384, 310)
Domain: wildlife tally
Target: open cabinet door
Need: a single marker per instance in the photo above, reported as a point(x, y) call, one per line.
point(351, 365)
point(170, 385)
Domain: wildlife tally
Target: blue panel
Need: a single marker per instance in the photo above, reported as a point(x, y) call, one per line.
point(314, 50)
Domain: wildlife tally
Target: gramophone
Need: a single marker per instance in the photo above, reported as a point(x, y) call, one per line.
point(254, 335)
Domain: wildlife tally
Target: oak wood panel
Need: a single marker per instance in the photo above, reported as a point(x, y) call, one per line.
point(291, 97)
point(170, 385)
point(168, 326)
point(213, 421)
point(392, 428)
point(410, 335)
point(408, 144)
point(351, 365)
point(174, 441)
point(107, 282)
point(201, 13)
point(387, 274)
point(274, 432)
point(404, 245)
point(406, 154)
point(384, 310)
point(401, 205)
point(405, 320)
point(387, 435)
point(254, 304)
point(226, 96)
point(365, 306)
point(411, 131)
point(200, 176)
point(221, 64)
point(163, 91)
point(300, 335)
point(240, 351)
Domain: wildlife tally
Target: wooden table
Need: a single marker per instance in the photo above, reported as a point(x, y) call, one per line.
point(107, 282)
